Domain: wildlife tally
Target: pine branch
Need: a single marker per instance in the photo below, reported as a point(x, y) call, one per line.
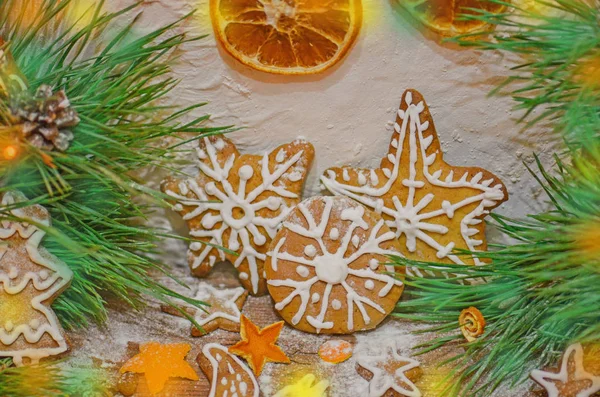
point(558, 46)
point(540, 294)
point(118, 81)
point(45, 380)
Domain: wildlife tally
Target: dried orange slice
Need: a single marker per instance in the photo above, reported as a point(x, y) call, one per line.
point(443, 16)
point(287, 36)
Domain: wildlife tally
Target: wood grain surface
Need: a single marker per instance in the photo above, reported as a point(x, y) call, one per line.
point(110, 346)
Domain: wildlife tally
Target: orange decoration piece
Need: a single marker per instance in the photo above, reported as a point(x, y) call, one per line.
point(160, 362)
point(290, 37)
point(472, 323)
point(10, 152)
point(335, 351)
point(586, 238)
point(258, 345)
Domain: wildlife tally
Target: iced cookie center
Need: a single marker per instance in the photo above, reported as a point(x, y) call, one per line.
point(330, 268)
point(237, 215)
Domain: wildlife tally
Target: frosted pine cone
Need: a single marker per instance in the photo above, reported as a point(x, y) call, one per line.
point(46, 118)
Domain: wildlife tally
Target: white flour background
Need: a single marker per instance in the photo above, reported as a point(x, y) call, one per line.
point(347, 114)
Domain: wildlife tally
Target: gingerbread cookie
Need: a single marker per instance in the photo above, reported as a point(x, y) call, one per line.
point(573, 379)
point(434, 208)
point(159, 363)
point(227, 374)
point(223, 309)
point(390, 374)
point(237, 202)
point(30, 279)
point(324, 267)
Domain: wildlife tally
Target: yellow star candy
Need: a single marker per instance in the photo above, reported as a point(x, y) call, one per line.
point(305, 387)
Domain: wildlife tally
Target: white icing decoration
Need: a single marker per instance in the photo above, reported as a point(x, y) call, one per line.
point(362, 179)
point(334, 233)
point(315, 297)
point(310, 250)
point(302, 271)
point(369, 284)
point(345, 175)
point(336, 304)
point(219, 210)
point(280, 156)
point(235, 365)
point(373, 264)
point(245, 172)
point(549, 379)
point(383, 380)
point(333, 268)
point(410, 218)
point(227, 297)
point(47, 283)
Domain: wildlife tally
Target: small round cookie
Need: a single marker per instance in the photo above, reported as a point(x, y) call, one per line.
point(324, 267)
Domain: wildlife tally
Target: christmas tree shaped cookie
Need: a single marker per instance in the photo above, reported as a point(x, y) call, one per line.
point(433, 207)
point(30, 279)
point(236, 202)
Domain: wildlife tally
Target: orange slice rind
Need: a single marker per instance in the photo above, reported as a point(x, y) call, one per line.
point(292, 37)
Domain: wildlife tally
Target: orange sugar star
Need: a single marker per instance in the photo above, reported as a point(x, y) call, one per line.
point(160, 362)
point(258, 345)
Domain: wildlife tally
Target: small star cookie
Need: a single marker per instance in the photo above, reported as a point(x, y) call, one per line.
point(160, 362)
point(572, 380)
point(258, 345)
point(223, 309)
point(237, 202)
point(390, 374)
point(227, 374)
point(433, 207)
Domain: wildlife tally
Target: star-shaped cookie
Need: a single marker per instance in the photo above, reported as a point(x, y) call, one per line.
point(236, 202)
point(160, 362)
point(432, 207)
point(258, 345)
point(390, 372)
point(572, 380)
point(223, 309)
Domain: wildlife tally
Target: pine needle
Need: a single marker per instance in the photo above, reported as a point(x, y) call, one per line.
point(118, 81)
point(539, 294)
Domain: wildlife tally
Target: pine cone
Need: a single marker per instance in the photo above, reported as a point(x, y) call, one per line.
point(46, 118)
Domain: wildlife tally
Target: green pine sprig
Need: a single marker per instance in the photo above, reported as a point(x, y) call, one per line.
point(552, 40)
point(537, 295)
point(118, 80)
point(49, 380)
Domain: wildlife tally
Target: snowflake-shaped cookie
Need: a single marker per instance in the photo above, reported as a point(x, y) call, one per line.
point(389, 373)
point(237, 202)
point(325, 271)
point(432, 206)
